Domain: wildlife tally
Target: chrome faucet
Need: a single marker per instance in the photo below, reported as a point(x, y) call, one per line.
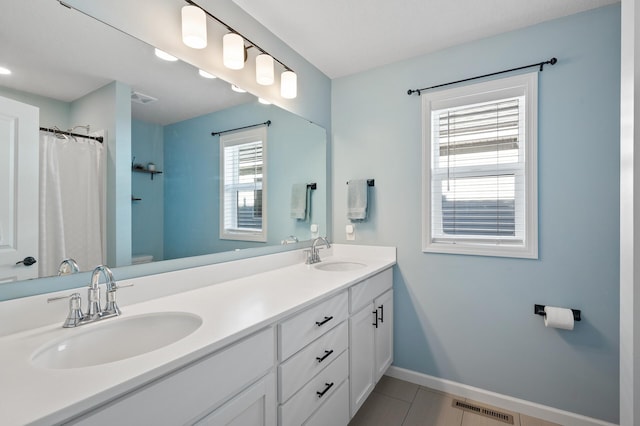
point(111, 308)
point(94, 310)
point(68, 266)
point(312, 255)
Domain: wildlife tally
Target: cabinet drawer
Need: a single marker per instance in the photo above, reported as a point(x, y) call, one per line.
point(193, 390)
point(303, 328)
point(301, 367)
point(315, 393)
point(369, 289)
point(335, 411)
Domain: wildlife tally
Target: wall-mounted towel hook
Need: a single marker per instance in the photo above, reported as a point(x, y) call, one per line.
point(539, 310)
point(370, 182)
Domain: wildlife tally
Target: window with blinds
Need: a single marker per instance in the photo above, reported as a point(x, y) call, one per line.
point(243, 188)
point(479, 161)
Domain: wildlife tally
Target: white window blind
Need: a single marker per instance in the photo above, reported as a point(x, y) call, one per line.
point(243, 185)
point(480, 188)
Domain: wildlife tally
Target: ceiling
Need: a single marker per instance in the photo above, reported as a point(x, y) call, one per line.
point(60, 53)
point(343, 37)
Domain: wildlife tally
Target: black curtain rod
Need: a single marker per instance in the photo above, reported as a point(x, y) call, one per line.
point(78, 135)
point(266, 123)
point(551, 61)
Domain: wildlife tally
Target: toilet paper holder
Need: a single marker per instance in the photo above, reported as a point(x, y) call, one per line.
point(539, 310)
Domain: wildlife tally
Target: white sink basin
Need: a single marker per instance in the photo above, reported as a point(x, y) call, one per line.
point(116, 339)
point(339, 266)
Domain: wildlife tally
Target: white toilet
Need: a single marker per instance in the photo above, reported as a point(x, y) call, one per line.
point(138, 259)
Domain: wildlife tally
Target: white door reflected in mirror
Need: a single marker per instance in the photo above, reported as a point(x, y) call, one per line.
point(18, 189)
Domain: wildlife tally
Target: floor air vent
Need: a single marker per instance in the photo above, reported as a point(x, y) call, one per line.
point(482, 411)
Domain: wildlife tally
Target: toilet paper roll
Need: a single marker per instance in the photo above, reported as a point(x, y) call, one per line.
point(558, 317)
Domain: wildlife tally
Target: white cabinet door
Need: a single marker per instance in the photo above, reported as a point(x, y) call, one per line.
point(384, 333)
point(18, 189)
point(361, 334)
point(256, 406)
point(193, 391)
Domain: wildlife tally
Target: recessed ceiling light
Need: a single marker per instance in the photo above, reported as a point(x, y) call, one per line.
point(237, 89)
point(5, 71)
point(205, 74)
point(264, 101)
point(164, 55)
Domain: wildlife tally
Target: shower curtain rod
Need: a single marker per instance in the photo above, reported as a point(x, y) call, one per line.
point(62, 132)
point(266, 123)
point(551, 61)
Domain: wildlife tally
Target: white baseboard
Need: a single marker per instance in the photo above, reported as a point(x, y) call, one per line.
point(510, 403)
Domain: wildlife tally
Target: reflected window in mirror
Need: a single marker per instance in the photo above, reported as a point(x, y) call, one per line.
point(243, 185)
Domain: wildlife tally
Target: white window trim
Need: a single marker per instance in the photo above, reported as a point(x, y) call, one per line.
point(237, 138)
point(524, 84)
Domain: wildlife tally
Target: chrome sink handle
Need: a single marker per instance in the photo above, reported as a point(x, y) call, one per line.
point(68, 266)
point(112, 307)
point(75, 315)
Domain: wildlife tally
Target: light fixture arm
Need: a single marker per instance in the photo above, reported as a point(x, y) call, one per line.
point(232, 30)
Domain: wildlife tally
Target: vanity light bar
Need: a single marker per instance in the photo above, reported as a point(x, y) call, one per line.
point(234, 55)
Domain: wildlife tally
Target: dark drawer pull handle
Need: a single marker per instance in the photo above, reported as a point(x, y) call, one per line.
point(381, 307)
point(328, 386)
point(326, 320)
point(375, 318)
point(326, 354)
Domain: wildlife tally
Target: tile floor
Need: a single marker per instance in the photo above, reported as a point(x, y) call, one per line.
point(395, 402)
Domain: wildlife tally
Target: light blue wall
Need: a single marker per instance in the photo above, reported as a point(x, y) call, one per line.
point(52, 111)
point(109, 108)
point(295, 154)
point(469, 318)
point(147, 215)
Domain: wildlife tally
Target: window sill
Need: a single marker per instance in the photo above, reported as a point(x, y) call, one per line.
point(479, 249)
point(243, 236)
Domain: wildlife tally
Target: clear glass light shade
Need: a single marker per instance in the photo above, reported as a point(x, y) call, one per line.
point(194, 27)
point(233, 51)
point(288, 85)
point(264, 69)
point(164, 55)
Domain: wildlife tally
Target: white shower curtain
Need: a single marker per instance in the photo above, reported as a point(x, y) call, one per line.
point(71, 202)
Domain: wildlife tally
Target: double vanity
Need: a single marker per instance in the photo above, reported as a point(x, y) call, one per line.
point(261, 341)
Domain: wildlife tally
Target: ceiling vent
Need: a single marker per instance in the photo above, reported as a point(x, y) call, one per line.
point(483, 411)
point(141, 98)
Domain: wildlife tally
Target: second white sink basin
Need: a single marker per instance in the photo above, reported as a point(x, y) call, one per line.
point(339, 266)
point(107, 341)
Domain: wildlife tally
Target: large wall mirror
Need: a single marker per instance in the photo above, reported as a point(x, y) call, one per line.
point(155, 116)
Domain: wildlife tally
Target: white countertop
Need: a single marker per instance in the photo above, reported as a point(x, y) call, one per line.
point(229, 310)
